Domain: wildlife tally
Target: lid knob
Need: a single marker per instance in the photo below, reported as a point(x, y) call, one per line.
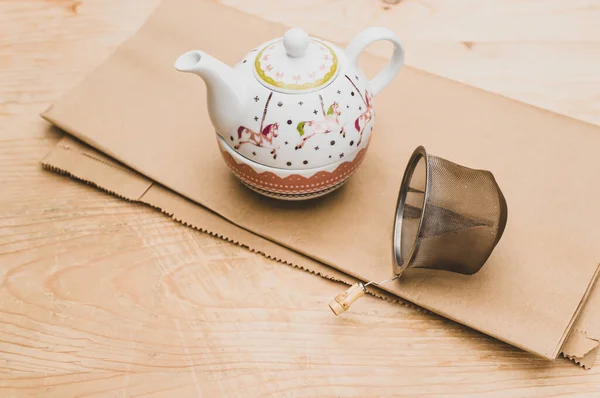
point(296, 42)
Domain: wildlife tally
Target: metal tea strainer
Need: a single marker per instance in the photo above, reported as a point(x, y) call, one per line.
point(448, 217)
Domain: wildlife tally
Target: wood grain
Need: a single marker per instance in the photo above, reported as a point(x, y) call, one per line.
point(545, 53)
point(100, 297)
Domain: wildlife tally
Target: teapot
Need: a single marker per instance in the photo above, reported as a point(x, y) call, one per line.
point(293, 118)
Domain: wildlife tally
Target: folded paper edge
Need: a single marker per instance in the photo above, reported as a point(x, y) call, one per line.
point(587, 360)
point(583, 343)
point(69, 146)
point(578, 315)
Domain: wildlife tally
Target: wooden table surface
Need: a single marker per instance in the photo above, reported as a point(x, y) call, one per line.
point(99, 297)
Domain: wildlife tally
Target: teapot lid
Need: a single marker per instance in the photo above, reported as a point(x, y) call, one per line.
point(296, 63)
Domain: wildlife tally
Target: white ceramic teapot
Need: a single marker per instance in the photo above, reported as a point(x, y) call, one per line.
point(294, 117)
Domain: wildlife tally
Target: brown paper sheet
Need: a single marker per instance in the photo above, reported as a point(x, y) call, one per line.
point(82, 162)
point(137, 109)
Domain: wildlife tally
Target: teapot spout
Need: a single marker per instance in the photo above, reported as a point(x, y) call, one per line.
point(226, 90)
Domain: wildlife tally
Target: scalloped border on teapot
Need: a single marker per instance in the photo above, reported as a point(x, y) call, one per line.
point(292, 184)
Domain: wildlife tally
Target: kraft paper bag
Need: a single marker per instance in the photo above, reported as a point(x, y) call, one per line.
point(75, 159)
point(137, 109)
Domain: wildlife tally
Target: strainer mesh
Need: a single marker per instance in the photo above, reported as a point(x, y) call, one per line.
point(452, 218)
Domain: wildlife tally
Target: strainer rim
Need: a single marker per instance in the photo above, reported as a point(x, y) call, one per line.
point(399, 267)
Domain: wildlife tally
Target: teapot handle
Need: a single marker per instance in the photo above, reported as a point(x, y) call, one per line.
point(389, 72)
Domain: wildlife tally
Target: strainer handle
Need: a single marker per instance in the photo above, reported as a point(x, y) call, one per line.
point(389, 72)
